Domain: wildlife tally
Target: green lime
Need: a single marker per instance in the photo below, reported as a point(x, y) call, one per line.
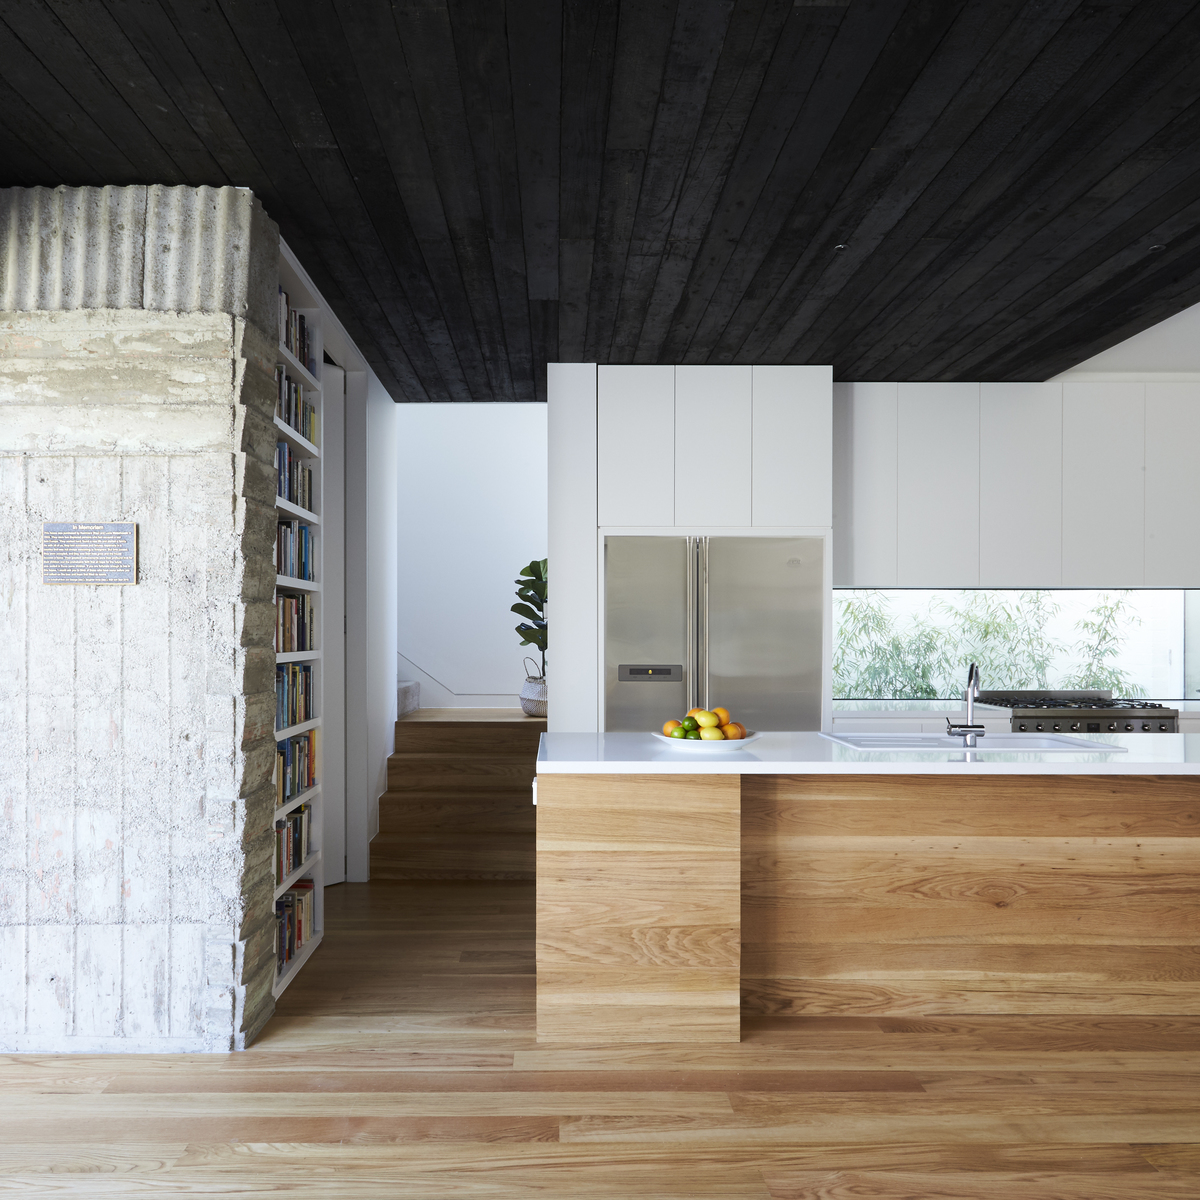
point(678, 732)
point(690, 723)
point(693, 735)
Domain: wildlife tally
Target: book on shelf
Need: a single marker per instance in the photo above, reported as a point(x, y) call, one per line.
point(294, 332)
point(293, 694)
point(295, 765)
point(294, 548)
point(292, 408)
point(293, 480)
point(295, 622)
point(295, 916)
point(291, 841)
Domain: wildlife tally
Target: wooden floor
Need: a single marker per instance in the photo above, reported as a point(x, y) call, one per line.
point(402, 1064)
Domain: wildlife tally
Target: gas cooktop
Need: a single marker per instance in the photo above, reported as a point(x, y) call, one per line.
point(1082, 712)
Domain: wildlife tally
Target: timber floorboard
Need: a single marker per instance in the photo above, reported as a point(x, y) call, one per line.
point(403, 1062)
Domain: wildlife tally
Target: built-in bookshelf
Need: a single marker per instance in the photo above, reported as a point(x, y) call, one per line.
point(299, 873)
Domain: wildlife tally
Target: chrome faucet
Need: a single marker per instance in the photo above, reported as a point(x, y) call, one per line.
point(968, 731)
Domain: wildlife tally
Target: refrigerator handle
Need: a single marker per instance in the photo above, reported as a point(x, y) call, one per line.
point(702, 672)
point(691, 623)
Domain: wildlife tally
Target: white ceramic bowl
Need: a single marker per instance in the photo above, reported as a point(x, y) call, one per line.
point(698, 746)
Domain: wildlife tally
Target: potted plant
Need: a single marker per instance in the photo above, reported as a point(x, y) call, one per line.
point(531, 594)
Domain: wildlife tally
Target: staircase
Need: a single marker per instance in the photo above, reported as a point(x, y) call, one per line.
point(459, 803)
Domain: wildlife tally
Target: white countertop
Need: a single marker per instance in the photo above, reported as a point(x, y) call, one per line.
point(812, 754)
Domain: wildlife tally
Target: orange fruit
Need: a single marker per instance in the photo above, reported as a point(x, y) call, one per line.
point(734, 732)
point(723, 713)
point(707, 720)
point(691, 712)
point(710, 733)
point(669, 726)
point(742, 727)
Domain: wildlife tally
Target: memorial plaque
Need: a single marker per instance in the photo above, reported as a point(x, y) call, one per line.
point(84, 552)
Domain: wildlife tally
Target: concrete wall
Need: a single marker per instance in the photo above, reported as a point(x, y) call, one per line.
point(136, 740)
point(473, 512)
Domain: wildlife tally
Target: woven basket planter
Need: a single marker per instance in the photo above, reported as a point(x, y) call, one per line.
point(533, 694)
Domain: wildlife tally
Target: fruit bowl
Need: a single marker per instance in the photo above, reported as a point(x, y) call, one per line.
point(725, 746)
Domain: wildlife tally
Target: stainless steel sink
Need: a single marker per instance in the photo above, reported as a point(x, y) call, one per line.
point(991, 743)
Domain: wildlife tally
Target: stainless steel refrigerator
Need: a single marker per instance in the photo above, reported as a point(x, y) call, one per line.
point(696, 621)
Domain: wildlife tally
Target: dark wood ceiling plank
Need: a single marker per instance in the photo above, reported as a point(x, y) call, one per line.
point(746, 53)
point(786, 224)
point(54, 159)
point(794, 67)
point(1089, 268)
point(1006, 149)
point(483, 130)
point(692, 57)
point(644, 32)
point(157, 43)
point(1126, 304)
point(588, 51)
point(110, 54)
point(344, 47)
point(433, 78)
point(969, 71)
point(535, 71)
point(1134, 142)
point(63, 116)
point(63, 56)
point(280, 118)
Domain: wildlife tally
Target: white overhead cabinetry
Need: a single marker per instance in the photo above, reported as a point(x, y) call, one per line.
point(712, 446)
point(937, 485)
point(670, 448)
point(1060, 484)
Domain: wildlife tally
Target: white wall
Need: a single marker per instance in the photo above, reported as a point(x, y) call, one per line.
point(1165, 351)
point(472, 513)
point(372, 422)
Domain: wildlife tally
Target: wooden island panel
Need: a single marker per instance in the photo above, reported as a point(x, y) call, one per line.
point(952, 895)
point(638, 908)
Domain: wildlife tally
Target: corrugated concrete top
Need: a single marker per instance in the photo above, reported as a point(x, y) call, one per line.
point(169, 249)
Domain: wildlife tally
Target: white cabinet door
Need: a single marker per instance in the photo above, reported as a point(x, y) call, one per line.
point(793, 446)
point(635, 445)
point(864, 498)
point(1103, 484)
point(713, 414)
point(1173, 485)
point(937, 485)
point(1020, 485)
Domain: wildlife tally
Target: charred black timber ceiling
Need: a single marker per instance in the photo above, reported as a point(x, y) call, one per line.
point(934, 190)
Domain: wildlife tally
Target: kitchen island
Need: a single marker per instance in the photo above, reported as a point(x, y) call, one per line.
point(677, 889)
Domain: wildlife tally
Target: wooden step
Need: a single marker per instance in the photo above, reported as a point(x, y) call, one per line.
point(459, 799)
point(458, 772)
point(462, 737)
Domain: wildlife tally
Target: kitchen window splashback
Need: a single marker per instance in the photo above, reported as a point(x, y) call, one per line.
point(909, 643)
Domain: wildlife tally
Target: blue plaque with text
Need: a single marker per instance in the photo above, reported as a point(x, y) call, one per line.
point(89, 552)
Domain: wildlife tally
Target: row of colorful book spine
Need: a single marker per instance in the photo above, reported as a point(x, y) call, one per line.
point(293, 694)
point(291, 842)
point(294, 332)
point(292, 408)
point(295, 916)
point(293, 480)
point(295, 622)
point(294, 550)
point(295, 765)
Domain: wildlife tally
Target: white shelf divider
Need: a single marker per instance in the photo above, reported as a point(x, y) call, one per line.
point(296, 511)
point(297, 656)
point(282, 810)
point(305, 868)
point(289, 972)
point(291, 583)
point(301, 443)
point(294, 364)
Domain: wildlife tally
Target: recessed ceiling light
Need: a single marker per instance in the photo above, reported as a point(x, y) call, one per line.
point(1153, 249)
point(840, 247)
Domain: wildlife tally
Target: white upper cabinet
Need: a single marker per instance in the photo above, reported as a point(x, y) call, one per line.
point(864, 484)
point(1104, 484)
point(713, 460)
point(1173, 485)
point(635, 445)
point(1020, 485)
point(792, 442)
point(937, 485)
